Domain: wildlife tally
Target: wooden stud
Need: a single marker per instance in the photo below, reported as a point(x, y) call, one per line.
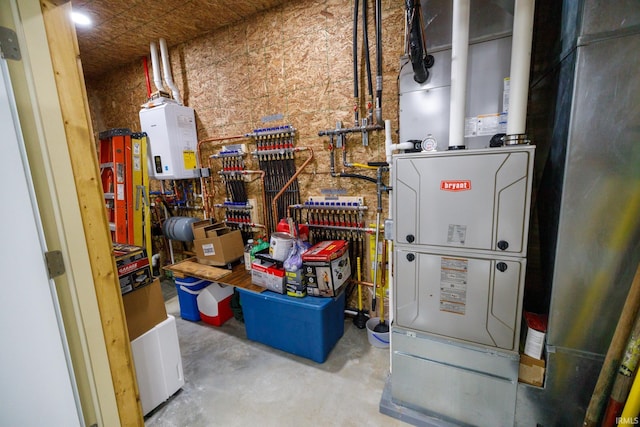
point(74, 106)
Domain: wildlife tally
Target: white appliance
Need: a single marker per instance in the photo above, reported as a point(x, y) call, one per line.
point(461, 222)
point(158, 364)
point(173, 141)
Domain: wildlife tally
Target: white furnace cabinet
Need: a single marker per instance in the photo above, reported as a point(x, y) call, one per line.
point(471, 298)
point(467, 200)
point(461, 222)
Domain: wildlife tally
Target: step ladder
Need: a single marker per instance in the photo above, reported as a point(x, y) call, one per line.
point(140, 191)
point(116, 174)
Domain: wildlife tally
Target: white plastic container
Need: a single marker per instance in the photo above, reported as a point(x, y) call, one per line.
point(158, 364)
point(280, 246)
point(376, 339)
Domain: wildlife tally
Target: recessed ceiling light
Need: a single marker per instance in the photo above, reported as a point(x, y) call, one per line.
point(81, 19)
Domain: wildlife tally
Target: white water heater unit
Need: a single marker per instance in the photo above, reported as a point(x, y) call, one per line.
point(173, 141)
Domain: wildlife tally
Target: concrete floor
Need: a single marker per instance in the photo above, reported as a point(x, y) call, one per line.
point(232, 381)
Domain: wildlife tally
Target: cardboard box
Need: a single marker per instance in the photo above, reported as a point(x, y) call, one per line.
point(531, 370)
point(220, 246)
point(198, 228)
point(133, 267)
point(326, 267)
point(144, 309)
point(535, 330)
point(268, 275)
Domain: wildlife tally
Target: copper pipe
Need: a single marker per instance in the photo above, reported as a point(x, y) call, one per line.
point(360, 282)
point(274, 205)
point(221, 138)
point(205, 194)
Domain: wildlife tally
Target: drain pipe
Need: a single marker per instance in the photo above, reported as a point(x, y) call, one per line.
point(519, 74)
point(459, 54)
point(155, 66)
point(164, 52)
point(390, 147)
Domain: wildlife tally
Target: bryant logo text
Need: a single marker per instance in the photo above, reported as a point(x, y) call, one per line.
point(455, 185)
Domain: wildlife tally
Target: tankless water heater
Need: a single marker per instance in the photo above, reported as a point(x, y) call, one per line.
point(173, 141)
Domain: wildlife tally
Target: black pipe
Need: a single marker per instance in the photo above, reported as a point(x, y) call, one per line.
point(379, 61)
point(355, 49)
point(380, 187)
point(420, 60)
point(353, 175)
point(365, 43)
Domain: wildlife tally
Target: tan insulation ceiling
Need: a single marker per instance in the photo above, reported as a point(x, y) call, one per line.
point(123, 29)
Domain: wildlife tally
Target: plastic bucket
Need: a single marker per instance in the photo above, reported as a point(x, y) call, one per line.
point(377, 339)
point(281, 244)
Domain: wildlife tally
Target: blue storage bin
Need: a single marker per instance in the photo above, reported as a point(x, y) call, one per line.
point(308, 327)
point(192, 283)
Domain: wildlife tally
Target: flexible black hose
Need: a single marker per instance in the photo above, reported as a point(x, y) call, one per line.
point(365, 43)
point(353, 175)
point(355, 49)
point(379, 57)
point(420, 61)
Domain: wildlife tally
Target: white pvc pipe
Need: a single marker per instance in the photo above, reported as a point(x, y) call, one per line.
point(389, 146)
point(166, 67)
point(520, 63)
point(155, 66)
point(459, 54)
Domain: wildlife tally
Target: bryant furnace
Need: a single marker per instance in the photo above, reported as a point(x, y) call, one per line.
point(461, 223)
point(460, 231)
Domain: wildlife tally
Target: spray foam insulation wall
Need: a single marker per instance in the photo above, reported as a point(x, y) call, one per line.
point(294, 61)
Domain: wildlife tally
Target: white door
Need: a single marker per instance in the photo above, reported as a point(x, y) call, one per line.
point(37, 386)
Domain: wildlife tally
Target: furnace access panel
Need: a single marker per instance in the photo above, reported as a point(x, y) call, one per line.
point(471, 298)
point(468, 200)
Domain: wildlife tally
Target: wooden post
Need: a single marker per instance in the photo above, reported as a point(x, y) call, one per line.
point(614, 354)
point(73, 102)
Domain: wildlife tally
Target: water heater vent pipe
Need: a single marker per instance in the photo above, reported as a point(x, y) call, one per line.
point(155, 66)
point(459, 54)
point(519, 74)
point(164, 52)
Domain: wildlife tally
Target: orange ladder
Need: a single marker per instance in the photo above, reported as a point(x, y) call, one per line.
point(116, 174)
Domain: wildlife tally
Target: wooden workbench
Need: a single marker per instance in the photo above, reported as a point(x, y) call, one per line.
point(238, 277)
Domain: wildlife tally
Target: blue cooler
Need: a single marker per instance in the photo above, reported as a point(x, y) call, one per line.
point(188, 290)
point(309, 327)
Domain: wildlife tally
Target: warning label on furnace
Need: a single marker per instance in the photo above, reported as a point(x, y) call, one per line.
point(456, 233)
point(453, 285)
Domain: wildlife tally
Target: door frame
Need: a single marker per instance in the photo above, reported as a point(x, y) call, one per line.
point(52, 105)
